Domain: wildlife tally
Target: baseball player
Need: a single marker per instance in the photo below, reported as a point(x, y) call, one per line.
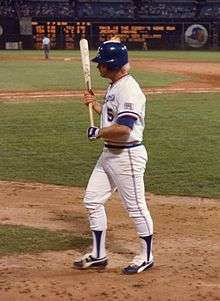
point(46, 46)
point(122, 163)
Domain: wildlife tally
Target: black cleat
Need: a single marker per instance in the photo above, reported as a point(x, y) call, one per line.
point(88, 261)
point(134, 268)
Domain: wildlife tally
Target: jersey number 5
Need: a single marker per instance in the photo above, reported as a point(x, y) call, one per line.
point(110, 114)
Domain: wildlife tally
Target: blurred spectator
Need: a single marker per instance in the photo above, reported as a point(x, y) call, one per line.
point(126, 9)
point(168, 10)
point(210, 11)
point(106, 10)
point(7, 9)
point(64, 9)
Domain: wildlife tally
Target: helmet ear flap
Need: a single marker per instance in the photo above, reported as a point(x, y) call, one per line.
point(112, 53)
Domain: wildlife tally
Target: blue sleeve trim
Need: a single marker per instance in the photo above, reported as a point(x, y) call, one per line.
point(127, 120)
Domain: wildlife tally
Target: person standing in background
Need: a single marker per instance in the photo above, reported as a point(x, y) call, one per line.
point(46, 46)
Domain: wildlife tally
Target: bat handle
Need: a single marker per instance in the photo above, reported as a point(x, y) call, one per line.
point(91, 119)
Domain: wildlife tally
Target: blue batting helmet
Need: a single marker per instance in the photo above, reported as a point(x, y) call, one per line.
point(113, 54)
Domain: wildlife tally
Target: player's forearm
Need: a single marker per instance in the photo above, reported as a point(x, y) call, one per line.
point(97, 107)
point(114, 131)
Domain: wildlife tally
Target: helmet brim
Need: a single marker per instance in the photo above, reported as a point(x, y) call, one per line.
point(101, 60)
point(97, 60)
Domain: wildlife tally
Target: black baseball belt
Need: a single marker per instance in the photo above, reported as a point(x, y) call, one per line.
point(122, 146)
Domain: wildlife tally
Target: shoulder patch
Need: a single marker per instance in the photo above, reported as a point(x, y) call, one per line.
point(110, 98)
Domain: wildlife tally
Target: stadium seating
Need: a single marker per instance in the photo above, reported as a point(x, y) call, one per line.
point(114, 9)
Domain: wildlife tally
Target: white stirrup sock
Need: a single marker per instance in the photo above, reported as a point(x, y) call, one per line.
point(98, 250)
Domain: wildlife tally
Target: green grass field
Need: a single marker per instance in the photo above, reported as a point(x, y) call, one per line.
point(20, 239)
point(64, 76)
point(164, 54)
point(28, 71)
point(46, 142)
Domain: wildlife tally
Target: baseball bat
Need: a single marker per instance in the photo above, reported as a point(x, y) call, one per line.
point(84, 50)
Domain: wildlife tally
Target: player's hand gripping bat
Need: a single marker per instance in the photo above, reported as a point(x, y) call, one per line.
point(84, 50)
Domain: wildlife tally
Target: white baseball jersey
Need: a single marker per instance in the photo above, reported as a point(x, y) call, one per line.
point(46, 41)
point(124, 98)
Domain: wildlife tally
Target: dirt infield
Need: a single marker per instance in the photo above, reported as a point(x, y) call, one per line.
point(186, 249)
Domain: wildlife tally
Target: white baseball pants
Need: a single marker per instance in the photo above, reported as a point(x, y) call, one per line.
point(121, 169)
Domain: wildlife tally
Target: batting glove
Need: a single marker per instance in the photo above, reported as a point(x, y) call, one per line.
point(93, 132)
